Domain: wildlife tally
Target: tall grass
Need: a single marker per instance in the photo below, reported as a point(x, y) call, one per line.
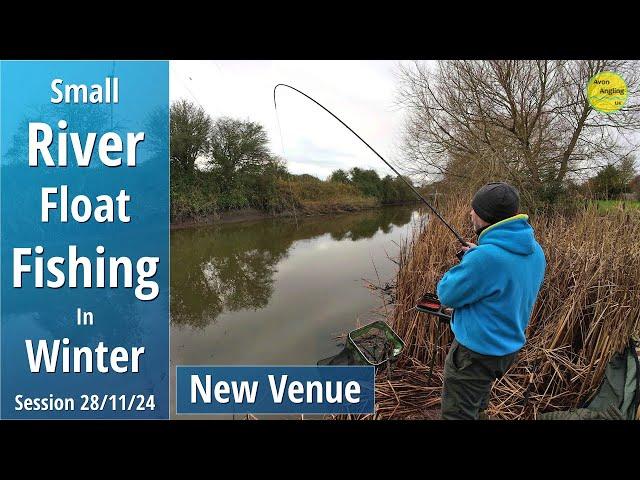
point(310, 195)
point(588, 308)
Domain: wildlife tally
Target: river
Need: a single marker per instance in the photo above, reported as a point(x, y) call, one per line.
point(279, 291)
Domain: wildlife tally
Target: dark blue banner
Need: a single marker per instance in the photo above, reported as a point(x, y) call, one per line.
point(275, 389)
point(85, 241)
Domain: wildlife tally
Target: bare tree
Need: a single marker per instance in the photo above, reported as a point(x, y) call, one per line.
point(529, 122)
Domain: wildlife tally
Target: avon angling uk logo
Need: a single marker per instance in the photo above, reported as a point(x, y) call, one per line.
point(607, 92)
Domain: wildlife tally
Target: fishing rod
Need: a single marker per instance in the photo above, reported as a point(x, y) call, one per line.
point(420, 196)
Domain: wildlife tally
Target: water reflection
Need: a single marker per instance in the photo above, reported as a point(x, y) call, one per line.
point(232, 267)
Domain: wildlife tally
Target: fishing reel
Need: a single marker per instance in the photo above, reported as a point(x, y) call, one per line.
point(430, 304)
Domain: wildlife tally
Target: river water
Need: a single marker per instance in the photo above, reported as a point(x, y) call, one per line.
point(279, 291)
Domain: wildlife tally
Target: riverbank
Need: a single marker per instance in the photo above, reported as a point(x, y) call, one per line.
point(308, 209)
point(201, 198)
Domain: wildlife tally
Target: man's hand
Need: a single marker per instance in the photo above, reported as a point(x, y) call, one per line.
point(469, 246)
point(464, 249)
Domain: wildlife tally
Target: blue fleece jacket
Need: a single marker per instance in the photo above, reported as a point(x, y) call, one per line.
point(493, 289)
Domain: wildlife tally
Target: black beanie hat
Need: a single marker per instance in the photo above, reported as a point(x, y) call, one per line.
point(496, 201)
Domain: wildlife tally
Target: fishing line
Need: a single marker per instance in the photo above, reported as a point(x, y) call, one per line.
point(418, 194)
point(284, 156)
point(184, 84)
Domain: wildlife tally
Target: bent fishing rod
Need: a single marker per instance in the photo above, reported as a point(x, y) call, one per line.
point(420, 196)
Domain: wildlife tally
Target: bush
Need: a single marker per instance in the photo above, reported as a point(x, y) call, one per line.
point(192, 196)
point(198, 195)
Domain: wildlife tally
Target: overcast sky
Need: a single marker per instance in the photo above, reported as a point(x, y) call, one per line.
point(362, 93)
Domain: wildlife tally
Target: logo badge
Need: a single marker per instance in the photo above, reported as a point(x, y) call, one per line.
point(607, 92)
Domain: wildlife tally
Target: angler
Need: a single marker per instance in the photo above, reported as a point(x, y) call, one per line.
point(493, 290)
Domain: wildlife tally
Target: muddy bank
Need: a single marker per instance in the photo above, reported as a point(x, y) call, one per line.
point(233, 216)
point(251, 214)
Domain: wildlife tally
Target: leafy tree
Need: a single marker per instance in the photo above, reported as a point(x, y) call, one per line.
point(395, 190)
point(388, 191)
point(403, 191)
point(190, 127)
point(238, 148)
point(339, 176)
point(609, 183)
point(628, 169)
point(367, 181)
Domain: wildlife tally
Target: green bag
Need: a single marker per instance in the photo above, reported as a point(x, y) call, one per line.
point(618, 396)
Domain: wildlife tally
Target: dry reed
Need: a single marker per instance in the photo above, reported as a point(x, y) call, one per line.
point(588, 308)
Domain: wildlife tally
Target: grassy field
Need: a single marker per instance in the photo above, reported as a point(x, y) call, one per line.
point(608, 205)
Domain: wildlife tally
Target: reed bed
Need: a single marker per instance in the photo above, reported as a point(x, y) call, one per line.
point(588, 308)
